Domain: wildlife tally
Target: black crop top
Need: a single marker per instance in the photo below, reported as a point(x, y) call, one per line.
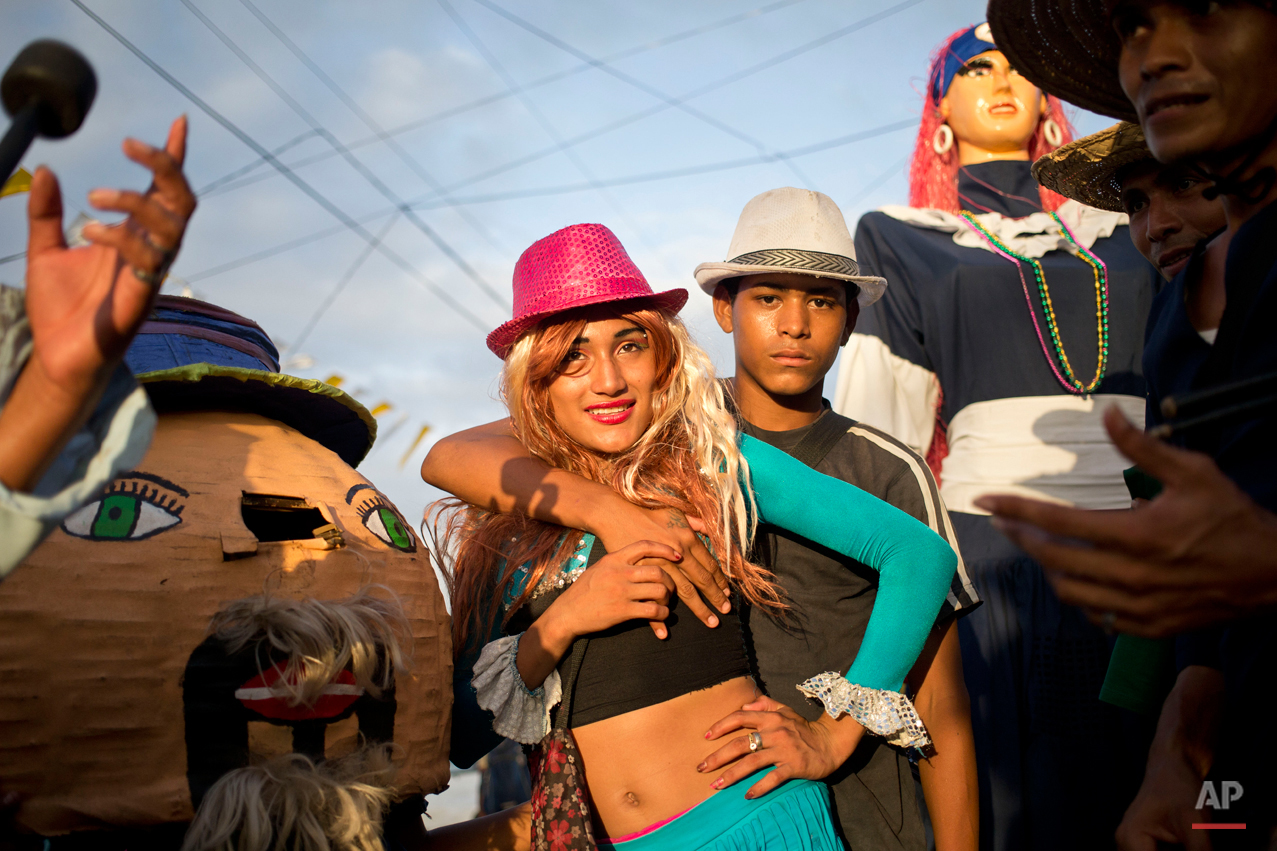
point(627, 667)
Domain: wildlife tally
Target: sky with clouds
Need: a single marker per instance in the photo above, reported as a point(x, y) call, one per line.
point(493, 122)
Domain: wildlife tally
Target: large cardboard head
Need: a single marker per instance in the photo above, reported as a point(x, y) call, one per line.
point(242, 594)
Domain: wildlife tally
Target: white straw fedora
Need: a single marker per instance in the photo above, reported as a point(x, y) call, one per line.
point(792, 230)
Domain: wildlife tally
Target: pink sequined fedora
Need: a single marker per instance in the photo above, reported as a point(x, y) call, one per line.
point(574, 267)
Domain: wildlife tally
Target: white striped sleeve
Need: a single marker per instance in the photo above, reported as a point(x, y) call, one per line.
point(962, 597)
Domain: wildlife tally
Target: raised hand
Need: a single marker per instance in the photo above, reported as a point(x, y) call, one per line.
point(85, 304)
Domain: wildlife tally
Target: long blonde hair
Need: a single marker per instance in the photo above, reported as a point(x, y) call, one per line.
point(687, 459)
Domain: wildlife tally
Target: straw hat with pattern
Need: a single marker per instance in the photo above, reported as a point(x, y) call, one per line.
point(1066, 48)
point(1088, 170)
point(792, 230)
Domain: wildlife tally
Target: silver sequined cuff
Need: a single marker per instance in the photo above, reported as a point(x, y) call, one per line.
point(884, 713)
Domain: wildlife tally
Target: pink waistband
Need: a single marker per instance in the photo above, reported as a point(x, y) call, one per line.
point(651, 827)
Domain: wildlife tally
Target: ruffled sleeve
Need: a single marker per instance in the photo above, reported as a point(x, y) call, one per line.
point(518, 713)
point(885, 713)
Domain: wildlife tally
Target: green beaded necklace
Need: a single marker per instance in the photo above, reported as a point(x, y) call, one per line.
point(1068, 379)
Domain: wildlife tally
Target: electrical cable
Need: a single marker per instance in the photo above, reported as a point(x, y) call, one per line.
point(647, 177)
point(368, 121)
point(452, 112)
point(634, 82)
point(546, 125)
point(713, 85)
point(203, 192)
point(354, 162)
point(582, 187)
point(296, 180)
point(364, 254)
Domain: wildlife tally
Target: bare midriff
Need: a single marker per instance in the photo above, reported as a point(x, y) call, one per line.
point(641, 766)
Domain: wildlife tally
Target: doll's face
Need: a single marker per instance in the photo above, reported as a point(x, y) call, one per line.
point(128, 707)
point(990, 106)
point(602, 396)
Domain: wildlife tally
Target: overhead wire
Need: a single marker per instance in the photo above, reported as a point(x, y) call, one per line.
point(582, 187)
point(711, 86)
point(452, 112)
point(495, 64)
point(204, 191)
point(669, 174)
point(369, 122)
point(634, 82)
point(366, 173)
point(346, 278)
point(331, 208)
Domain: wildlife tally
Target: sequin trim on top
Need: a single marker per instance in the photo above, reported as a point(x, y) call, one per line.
point(571, 569)
point(884, 713)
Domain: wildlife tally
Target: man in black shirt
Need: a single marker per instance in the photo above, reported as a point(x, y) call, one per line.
point(790, 295)
point(1197, 77)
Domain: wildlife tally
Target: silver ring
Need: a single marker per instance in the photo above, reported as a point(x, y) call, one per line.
point(156, 278)
point(755, 741)
point(1107, 620)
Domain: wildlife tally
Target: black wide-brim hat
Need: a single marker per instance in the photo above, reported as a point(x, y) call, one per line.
point(195, 356)
point(1067, 48)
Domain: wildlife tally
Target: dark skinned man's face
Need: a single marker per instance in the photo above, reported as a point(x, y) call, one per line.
point(787, 327)
point(1199, 74)
point(1168, 214)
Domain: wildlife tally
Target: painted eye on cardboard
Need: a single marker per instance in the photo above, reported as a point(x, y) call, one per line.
point(119, 517)
point(385, 523)
point(137, 505)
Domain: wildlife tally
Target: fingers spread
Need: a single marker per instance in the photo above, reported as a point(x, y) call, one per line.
point(170, 186)
point(164, 227)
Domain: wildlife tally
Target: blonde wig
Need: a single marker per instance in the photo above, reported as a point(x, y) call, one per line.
point(688, 459)
point(290, 803)
point(321, 638)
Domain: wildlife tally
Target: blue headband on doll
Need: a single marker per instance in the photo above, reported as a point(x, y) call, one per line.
point(969, 44)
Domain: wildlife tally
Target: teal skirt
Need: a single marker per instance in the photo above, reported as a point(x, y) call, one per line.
point(793, 817)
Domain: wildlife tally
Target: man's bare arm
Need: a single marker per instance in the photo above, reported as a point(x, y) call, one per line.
point(487, 466)
point(949, 774)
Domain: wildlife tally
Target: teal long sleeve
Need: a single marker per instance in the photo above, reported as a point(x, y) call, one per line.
point(915, 565)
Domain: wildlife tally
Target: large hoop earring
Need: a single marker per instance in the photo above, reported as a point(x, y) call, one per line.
point(942, 141)
point(1052, 133)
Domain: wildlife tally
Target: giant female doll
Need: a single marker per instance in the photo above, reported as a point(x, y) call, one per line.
point(1011, 320)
